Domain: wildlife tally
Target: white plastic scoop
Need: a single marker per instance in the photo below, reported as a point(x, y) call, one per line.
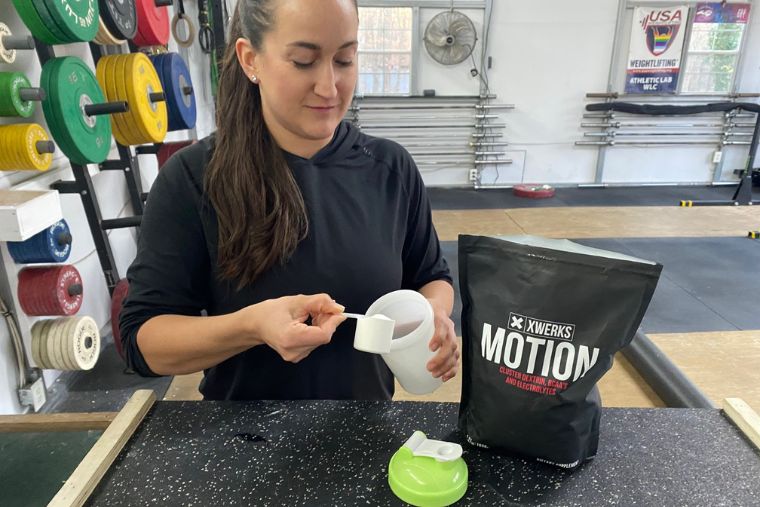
point(374, 333)
point(362, 316)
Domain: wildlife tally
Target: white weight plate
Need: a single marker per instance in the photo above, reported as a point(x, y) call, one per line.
point(71, 342)
point(67, 342)
point(36, 343)
point(86, 333)
point(45, 344)
point(56, 351)
point(51, 345)
point(66, 332)
point(6, 55)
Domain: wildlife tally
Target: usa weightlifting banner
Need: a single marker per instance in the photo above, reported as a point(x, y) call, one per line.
point(654, 56)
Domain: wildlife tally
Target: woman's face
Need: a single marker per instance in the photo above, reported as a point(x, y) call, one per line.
point(307, 70)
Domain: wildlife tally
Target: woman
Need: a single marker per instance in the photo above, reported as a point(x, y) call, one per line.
point(284, 200)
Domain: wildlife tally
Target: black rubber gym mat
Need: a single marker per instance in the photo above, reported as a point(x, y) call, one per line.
point(708, 284)
point(463, 198)
point(337, 453)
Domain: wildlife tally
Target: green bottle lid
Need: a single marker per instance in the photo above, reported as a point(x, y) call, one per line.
point(428, 473)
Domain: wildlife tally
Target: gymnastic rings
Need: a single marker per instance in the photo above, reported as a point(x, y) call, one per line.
point(190, 27)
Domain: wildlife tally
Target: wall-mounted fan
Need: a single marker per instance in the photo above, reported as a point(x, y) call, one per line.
point(450, 37)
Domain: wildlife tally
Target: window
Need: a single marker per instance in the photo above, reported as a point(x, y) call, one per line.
point(711, 57)
point(385, 51)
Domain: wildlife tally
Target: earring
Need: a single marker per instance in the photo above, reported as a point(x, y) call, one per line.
point(254, 78)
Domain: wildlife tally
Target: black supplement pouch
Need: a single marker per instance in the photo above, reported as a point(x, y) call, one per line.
point(541, 322)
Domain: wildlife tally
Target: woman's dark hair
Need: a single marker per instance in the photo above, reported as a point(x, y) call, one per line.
point(259, 206)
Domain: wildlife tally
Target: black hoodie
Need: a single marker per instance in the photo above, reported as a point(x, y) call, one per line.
point(370, 233)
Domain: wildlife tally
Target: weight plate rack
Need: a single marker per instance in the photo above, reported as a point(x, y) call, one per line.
point(83, 185)
point(73, 110)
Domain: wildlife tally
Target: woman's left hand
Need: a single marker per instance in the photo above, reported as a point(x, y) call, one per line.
point(445, 363)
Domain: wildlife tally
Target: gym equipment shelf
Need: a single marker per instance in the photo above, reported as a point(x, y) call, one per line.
point(24, 213)
point(743, 194)
point(83, 186)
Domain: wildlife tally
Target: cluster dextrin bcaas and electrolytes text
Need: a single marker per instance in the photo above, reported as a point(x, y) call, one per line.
point(541, 322)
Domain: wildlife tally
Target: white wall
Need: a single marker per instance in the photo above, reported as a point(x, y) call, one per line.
point(111, 193)
point(546, 56)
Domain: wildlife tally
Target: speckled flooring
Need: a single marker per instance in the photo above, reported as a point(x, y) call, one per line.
point(337, 453)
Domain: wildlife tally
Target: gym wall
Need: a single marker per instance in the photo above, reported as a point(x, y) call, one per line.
point(547, 54)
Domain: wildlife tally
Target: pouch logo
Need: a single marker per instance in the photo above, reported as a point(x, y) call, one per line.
point(537, 355)
point(543, 328)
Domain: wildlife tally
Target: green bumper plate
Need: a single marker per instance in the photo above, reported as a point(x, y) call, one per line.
point(77, 19)
point(31, 19)
point(11, 103)
point(60, 135)
point(70, 86)
point(44, 13)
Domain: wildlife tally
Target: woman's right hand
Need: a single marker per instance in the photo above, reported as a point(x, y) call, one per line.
point(281, 323)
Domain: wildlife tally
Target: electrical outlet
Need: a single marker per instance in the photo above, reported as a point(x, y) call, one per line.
point(474, 175)
point(33, 395)
point(717, 156)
